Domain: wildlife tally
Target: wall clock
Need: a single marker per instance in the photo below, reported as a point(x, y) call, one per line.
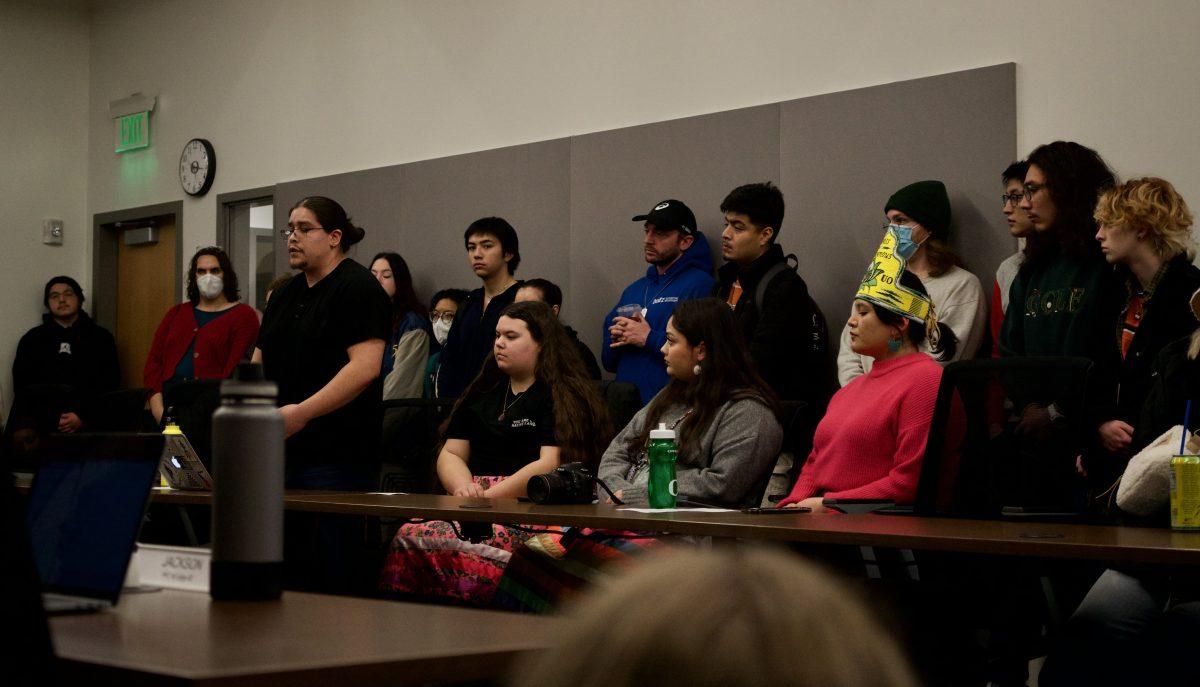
point(197, 167)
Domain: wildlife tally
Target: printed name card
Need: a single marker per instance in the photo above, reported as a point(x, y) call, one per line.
point(173, 567)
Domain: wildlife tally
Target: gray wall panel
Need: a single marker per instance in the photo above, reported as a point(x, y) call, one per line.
point(837, 157)
point(371, 197)
point(526, 185)
point(618, 174)
point(843, 154)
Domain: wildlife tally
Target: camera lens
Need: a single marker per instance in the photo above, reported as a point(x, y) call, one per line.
point(539, 488)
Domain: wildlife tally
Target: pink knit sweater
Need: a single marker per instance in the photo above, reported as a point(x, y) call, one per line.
point(871, 441)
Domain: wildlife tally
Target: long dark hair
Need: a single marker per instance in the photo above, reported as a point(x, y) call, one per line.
point(581, 424)
point(1075, 177)
point(727, 373)
point(228, 276)
point(916, 333)
point(404, 300)
point(332, 215)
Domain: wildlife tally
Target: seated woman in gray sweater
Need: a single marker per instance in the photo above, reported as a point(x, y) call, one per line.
point(723, 414)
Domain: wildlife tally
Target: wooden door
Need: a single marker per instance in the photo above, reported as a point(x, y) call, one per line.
point(146, 279)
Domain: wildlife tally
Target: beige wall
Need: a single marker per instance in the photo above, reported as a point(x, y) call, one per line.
point(43, 160)
point(296, 89)
point(292, 89)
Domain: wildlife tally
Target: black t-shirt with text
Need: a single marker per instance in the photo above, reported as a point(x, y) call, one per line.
point(500, 447)
point(304, 338)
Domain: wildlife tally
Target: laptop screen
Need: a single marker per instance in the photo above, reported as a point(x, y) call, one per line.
point(85, 511)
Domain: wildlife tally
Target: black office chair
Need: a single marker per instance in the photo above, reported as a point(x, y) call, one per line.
point(982, 461)
point(623, 401)
point(798, 427)
point(410, 441)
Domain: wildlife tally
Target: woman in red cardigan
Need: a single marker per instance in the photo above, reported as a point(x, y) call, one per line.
point(871, 441)
point(205, 337)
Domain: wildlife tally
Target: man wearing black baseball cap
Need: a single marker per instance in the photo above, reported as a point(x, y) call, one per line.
point(680, 269)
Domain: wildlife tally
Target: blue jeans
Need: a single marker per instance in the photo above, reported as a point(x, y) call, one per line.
point(1105, 641)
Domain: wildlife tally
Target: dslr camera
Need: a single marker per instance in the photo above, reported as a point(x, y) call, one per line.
point(567, 483)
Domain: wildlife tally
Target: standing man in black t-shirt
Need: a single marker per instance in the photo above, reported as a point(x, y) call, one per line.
point(493, 253)
point(322, 341)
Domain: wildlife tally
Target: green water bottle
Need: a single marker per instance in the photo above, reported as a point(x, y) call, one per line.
point(661, 454)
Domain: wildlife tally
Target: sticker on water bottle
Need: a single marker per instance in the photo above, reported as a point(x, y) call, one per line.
point(672, 488)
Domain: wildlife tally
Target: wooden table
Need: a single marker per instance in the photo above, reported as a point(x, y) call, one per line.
point(185, 638)
point(1153, 546)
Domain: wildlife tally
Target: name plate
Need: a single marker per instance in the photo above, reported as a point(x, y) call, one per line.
point(173, 567)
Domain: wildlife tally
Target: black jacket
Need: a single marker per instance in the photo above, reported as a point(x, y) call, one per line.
point(589, 358)
point(786, 332)
point(82, 356)
point(470, 340)
point(1167, 317)
point(1174, 380)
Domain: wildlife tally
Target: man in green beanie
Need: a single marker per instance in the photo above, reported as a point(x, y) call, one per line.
point(920, 213)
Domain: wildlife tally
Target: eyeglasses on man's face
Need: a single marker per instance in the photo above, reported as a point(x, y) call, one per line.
point(1031, 190)
point(302, 229)
point(1012, 198)
point(447, 317)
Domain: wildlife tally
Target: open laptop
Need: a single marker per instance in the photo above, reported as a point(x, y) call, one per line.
point(181, 468)
point(85, 510)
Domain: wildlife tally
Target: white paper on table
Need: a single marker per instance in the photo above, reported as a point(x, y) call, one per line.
point(678, 510)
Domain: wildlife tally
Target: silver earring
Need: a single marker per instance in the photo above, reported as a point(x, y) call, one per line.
point(696, 370)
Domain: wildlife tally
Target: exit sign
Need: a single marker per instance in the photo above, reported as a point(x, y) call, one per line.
point(133, 131)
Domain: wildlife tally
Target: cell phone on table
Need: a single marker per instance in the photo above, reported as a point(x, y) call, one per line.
point(776, 511)
point(857, 506)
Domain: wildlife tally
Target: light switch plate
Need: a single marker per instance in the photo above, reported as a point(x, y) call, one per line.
point(52, 232)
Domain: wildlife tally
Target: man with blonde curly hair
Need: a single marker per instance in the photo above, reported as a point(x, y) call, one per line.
point(1145, 231)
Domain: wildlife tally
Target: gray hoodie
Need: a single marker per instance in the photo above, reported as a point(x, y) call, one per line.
point(735, 453)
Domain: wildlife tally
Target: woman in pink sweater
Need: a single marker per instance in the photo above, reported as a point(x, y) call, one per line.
point(870, 443)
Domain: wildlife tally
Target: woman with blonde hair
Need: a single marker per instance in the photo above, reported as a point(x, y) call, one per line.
point(1145, 231)
point(738, 616)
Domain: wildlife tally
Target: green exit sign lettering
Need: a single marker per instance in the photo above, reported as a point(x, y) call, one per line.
point(133, 132)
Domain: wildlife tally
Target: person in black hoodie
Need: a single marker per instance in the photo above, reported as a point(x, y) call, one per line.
point(782, 324)
point(549, 293)
point(1145, 229)
point(494, 254)
point(62, 366)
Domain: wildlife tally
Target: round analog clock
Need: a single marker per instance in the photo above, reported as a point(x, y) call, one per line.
point(197, 167)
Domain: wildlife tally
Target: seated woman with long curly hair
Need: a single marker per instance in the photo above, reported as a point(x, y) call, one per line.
point(531, 408)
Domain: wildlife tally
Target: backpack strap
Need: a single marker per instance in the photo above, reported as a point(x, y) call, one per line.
point(761, 290)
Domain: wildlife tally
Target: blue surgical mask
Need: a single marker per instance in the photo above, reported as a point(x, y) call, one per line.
point(905, 246)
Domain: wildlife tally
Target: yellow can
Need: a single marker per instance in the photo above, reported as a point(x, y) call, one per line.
point(1185, 493)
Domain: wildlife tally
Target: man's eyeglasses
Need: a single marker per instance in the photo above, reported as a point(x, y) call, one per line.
point(1014, 198)
point(446, 317)
point(1031, 189)
point(288, 231)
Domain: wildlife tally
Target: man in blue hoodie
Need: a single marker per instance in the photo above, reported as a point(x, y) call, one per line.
point(680, 269)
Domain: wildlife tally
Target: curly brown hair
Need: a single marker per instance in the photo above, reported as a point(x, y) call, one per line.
point(581, 423)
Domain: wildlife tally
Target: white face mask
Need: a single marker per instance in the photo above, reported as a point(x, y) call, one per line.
point(210, 285)
point(441, 332)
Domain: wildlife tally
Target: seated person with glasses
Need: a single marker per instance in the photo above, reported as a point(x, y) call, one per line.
point(443, 307)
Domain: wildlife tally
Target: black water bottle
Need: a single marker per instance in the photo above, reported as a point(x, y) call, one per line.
point(247, 505)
